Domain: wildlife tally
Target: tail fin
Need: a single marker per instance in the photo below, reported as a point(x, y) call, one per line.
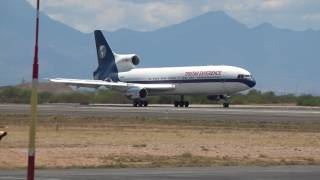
point(107, 69)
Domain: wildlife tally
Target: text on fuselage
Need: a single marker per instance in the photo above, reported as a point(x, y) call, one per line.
point(203, 73)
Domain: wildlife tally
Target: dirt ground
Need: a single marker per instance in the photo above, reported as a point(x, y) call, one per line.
point(86, 142)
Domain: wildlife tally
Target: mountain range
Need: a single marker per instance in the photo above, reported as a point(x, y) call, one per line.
point(282, 60)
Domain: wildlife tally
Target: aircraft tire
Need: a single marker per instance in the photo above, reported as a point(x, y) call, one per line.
point(135, 104)
point(176, 103)
point(145, 103)
point(186, 104)
point(181, 104)
point(226, 105)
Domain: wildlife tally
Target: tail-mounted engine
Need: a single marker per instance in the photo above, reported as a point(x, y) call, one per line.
point(126, 62)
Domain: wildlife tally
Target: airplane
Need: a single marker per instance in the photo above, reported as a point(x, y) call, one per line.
point(119, 72)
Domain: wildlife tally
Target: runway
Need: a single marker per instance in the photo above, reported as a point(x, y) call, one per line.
point(239, 173)
point(195, 112)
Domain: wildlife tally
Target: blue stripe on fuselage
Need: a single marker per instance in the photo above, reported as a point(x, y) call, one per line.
point(248, 82)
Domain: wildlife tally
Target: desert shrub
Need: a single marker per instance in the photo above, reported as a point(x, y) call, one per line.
point(308, 100)
point(14, 95)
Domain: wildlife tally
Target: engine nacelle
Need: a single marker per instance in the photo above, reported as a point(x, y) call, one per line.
point(137, 93)
point(126, 62)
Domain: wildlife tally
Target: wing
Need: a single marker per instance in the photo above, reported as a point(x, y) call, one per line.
point(113, 85)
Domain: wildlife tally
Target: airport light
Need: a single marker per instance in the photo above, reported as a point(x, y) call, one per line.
point(34, 103)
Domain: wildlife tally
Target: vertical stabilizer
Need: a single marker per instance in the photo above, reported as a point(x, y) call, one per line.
point(107, 69)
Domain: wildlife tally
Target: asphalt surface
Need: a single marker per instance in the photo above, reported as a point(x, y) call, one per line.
point(220, 173)
point(195, 112)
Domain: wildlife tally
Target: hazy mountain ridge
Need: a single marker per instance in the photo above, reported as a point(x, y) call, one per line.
point(280, 59)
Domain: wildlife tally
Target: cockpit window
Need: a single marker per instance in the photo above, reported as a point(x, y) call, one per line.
point(242, 76)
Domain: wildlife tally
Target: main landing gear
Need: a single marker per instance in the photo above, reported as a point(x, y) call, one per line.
point(226, 102)
point(181, 103)
point(140, 103)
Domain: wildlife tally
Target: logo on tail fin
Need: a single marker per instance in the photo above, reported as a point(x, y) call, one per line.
point(102, 51)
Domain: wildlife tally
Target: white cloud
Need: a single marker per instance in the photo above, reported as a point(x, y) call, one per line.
point(114, 14)
point(274, 4)
point(146, 15)
point(162, 14)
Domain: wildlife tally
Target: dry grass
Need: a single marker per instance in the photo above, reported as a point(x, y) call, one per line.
point(65, 142)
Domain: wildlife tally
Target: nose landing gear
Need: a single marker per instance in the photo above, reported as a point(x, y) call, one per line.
point(226, 102)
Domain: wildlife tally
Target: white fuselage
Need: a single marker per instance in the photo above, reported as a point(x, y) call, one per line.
point(193, 80)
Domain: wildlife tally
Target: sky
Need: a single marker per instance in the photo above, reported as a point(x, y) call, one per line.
point(148, 15)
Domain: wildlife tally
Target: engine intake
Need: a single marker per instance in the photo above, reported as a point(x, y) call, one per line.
point(135, 60)
point(137, 93)
point(143, 93)
point(126, 62)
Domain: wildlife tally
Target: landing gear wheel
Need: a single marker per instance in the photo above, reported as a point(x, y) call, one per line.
point(181, 104)
point(226, 105)
point(186, 104)
point(176, 103)
point(135, 104)
point(139, 103)
point(145, 103)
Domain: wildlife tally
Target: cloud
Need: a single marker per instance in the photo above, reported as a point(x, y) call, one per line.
point(114, 14)
point(274, 4)
point(146, 15)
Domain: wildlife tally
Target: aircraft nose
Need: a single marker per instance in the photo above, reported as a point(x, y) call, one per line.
point(252, 83)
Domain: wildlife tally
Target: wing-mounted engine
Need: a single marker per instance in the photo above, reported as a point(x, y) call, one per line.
point(137, 93)
point(126, 62)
